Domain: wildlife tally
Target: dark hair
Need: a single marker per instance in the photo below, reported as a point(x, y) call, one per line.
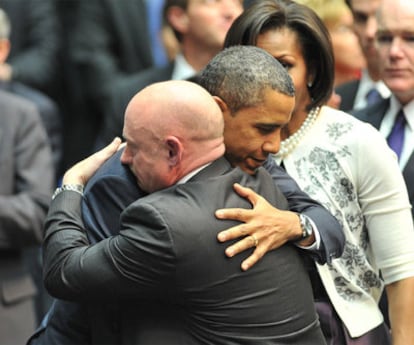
point(314, 39)
point(239, 75)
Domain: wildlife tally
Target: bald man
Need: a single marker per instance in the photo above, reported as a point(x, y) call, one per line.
point(167, 250)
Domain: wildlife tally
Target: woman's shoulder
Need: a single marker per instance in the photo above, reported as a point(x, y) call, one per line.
point(345, 122)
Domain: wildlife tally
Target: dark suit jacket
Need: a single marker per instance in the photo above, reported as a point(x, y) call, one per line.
point(48, 111)
point(374, 115)
point(110, 42)
point(348, 92)
point(26, 173)
point(167, 251)
point(106, 195)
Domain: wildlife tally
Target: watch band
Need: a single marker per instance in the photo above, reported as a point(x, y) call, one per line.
point(306, 225)
point(73, 187)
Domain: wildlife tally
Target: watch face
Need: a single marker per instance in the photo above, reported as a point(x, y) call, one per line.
point(306, 227)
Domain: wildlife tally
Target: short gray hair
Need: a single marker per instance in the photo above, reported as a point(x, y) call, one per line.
point(240, 74)
point(4, 25)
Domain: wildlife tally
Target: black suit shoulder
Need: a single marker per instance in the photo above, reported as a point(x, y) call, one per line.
point(348, 92)
point(372, 114)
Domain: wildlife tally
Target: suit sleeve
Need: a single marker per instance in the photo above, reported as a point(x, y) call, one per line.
point(330, 231)
point(135, 264)
point(23, 211)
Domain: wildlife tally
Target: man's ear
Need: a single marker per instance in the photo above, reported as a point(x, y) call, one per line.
point(223, 105)
point(178, 19)
point(175, 150)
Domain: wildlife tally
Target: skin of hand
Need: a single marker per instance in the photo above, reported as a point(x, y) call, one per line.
point(401, 301)
point(270, 226)
point(81, 172)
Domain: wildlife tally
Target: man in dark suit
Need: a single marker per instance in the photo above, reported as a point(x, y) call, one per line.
point(51, 121)
point(200, 29)
point(27, 176)
point(115, 184)
point(46, 107)
point(167, 250)
point(369, 88)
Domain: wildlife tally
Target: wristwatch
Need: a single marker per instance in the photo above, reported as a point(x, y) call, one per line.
point(73, 187)
point(306, 225)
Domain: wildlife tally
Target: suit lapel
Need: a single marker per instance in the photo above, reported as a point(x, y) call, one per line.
point(374, 113)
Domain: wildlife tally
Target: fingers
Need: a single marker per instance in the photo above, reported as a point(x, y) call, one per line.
point(105, 153)
point(258, 253)
point(238, 214)
point(233, 233)
point(81, 172)
point(245, 243)
point(246, 193)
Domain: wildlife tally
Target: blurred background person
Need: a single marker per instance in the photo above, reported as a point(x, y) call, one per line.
point(102, 41)
point(47, 108)
point(33, 58)
point(200, 28)
point(50, 117)
point(369, 89)
point(27, 176)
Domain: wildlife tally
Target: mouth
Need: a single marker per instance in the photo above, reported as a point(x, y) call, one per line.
point(395, 72)
point(254, 163)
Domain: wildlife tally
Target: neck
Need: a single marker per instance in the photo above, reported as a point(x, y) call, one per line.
point(197, 57)
point(202, 155)
point(289, 144)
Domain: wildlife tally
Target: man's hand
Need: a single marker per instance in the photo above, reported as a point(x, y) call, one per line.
point(265, 227)
point(81, 172)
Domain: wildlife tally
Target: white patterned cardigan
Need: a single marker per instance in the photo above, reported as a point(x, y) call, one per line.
point(347, 166)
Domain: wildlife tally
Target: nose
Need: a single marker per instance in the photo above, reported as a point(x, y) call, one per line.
point(232, 8)
point(125, 156)
point(396, 47)
point(272, 144)
point(371, 27)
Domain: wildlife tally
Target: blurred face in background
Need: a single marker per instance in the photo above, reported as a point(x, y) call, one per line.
point(365, 26)
point(395, 41)
point(349, 59)
point(207, 21)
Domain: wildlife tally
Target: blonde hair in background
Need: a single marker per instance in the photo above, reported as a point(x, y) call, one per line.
point(330, 11)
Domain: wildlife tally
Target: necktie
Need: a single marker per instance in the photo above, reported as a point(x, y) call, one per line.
point(396, 138)
point(373, 96)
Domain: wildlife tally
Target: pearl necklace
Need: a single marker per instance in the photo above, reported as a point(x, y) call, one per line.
point(289, 144)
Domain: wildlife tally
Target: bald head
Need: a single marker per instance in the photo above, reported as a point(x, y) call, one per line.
point(178, 107)
point(171, 128)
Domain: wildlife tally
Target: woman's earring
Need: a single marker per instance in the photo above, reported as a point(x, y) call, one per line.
point(309, 84)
